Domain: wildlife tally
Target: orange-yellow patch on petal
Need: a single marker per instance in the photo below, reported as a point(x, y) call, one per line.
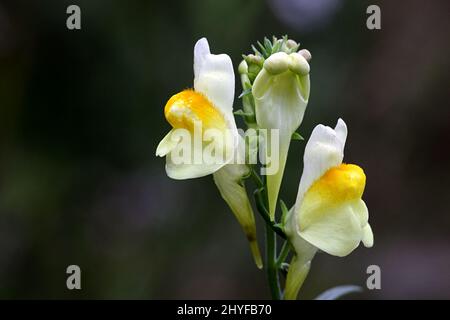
point(339, 184)
point(332, 216)
point(336, 187)
point(186, 108)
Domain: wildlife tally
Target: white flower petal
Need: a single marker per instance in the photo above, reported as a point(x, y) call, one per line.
point(280, 101)
point(214, 77)
point(324, 150)
point(362, 212)
point(189, 171)
point(298, 64)
point(277, 63)
point(192, 158)
point(341, 131)
point(337, 231)
point(367, 236)
point(166, 145)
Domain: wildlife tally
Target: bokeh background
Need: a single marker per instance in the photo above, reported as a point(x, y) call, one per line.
point(81, 113)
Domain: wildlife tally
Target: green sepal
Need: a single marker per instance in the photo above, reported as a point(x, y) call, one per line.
point(297, 137)
point(245, 92)
point(284, 211)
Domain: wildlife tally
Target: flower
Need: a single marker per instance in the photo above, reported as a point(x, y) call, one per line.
point(208, 107)
point(281, 92)
point(204, 115)
point(329, 214)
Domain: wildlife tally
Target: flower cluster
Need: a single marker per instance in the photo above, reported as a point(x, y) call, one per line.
point(329, 213)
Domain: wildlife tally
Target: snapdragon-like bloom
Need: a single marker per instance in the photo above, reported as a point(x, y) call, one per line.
point(203, 124)
point(209, 107)
point(329, 214)
point(281, 93)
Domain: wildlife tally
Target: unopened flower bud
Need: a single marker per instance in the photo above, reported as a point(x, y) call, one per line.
point(306, 54)
point(291, 44)
point(243, 67)
point(254, 59)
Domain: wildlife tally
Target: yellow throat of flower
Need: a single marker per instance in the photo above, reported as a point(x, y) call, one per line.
point(190, 108)
point(339, 185)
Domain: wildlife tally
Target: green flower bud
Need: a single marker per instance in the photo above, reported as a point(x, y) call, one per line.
point(254, 59)
point(243, 67)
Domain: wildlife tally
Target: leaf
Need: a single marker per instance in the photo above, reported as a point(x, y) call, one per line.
point(296, 136)
point(263, 50)
point(276, 46)
point(256, 51)
point(268, 45)
point(245, 92)
point(337, 292)
point(284, 211)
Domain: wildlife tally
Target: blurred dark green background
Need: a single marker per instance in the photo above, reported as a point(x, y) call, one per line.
point(81, 114)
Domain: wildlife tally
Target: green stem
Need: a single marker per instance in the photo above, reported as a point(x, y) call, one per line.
point(271, 264)
point(271, 230)
point(259, 183)
point(271, 244)
point(283, 253)
point(259, 199)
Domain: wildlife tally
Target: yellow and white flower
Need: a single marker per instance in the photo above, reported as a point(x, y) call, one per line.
point(203, 123)
point(208, 107)
point(329, 214)
point(281, 93)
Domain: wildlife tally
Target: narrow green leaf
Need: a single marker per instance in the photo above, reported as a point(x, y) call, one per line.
point(284, 211)
point(263, 50)
point(297, 137)
point(278, 226)
point(277, 46)
point(256, 51)
point(260, 45)
point(245, 92)
point(268, 45)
